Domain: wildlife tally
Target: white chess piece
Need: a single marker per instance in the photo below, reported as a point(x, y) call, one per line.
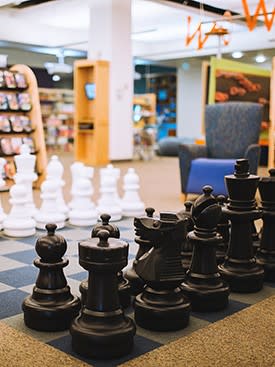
point(55, 172)
point(111, 171)
point(26, 175)
point(19, 222)
point(108, 201)
point(48, 213)
point(83, 211)
point(131, 204)
point(78, 169)
point(2, 183)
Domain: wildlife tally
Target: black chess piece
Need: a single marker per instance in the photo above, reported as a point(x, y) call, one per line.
point(223, 229)
point(51, 307)
point(162, 305)
point(123, 284)
point(136, 283)
point(266, 253)
point(240, 269)
point(102, 330)
point(255, 238)
point(203, 284)
point(187, 247)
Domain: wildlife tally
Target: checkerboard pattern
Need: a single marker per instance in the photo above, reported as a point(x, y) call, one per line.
point(18, 275)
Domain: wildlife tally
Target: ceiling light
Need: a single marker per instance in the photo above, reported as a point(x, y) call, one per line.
point(56, 78)
point(260, 58)
point(237, 54)
point(58, 67)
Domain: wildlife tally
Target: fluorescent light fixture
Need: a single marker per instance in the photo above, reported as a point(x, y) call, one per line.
point(237, 54)
point(260, 58)
point(56, 78)
point(56, 67)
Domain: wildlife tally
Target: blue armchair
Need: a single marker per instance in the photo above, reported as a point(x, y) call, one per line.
point(232, 131)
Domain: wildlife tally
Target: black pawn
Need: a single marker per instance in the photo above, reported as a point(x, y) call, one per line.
point(162, 305)
point(203, 284)
point(51, 307)
point(187, 247)
point(266, 253)
point(102, 330)
point(123, 284)
point(223, 229)
point(240, 269)
point(136, 283)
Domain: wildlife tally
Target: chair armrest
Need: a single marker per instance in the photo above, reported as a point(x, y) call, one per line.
point(188, 152)
point(252, 153)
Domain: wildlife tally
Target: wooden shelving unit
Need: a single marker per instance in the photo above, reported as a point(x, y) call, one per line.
point(147, 114)
point(37, 132)
point(91, 122)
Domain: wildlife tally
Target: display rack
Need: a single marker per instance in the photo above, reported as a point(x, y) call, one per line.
point(165, 89)
point(91, 123)
point(144, 110)
point(57, 107)
point(34, 114)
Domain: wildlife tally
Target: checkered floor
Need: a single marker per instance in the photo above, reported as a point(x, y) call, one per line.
point(18, 275)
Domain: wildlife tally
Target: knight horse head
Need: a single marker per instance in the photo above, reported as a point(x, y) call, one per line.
point(166, 234)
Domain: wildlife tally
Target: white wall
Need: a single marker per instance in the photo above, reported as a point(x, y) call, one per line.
point(189, 100)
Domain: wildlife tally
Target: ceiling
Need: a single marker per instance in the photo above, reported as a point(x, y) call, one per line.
point(159, 27)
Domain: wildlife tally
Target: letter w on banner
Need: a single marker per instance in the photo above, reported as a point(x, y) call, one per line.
point(251, 20)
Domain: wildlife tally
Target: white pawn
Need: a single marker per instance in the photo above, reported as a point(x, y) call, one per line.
point(48, 213)
point(55, 172)
point(110, 170)
point(131, 204)
point(19, 222)
point(2, 184)
point(108, 201)
point(83, 211)
point(25, 173)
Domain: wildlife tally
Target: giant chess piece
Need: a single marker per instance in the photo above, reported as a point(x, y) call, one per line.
point(162, 305)
point(83, 211)
point(55, 172)
point(19, 222)
point(108, 202)
point(110, 170)
point(51, 307)
point(266, 253)
point(203, 284)
point(47, 212)
point(26, 175)
point(223, 229)
point(2, 184)
point(79, 170)
point(240, 269)
point(123, 284)
point(187, 246)
point(136, 283)
point(131, 204)
point(102, 330)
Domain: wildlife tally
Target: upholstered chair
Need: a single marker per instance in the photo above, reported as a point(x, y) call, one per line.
point(232, 131)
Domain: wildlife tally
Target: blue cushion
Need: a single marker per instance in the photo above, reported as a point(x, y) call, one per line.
point(205, 171)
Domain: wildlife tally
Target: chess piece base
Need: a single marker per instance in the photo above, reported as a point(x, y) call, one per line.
point(16, 227)
point(82, 222)
point(206, 300)
point(54, 317)
point(169, 312)
point(243, 280)
point(102, 335)
point(268, 262)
